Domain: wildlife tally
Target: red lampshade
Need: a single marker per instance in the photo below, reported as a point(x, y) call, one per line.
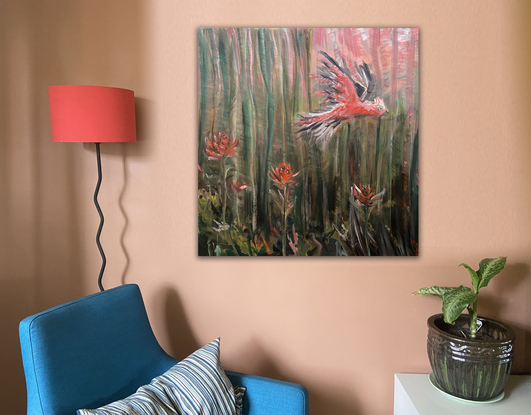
point(92, 114)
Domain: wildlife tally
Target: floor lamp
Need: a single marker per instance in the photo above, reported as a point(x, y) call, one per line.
point(93, 114)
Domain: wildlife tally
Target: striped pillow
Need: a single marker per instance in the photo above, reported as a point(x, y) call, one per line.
point(195, 386)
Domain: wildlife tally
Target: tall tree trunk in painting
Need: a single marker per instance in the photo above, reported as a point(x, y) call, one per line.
point(285, 221)
point(224, 207)
point(245, 75)
point(303, 38)
point(265, 67)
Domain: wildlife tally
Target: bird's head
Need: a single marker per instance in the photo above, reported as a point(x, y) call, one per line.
point(378, 107)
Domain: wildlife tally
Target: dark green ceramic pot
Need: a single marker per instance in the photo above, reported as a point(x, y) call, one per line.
point(476, 369)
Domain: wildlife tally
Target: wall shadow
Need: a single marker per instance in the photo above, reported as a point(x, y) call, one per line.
point(495, 299)
point(498, 297)
point(127, 152)
point(340, 401)
point(183, 342)
point(143, 113)
point(181, 337)
point(520, 14)
point(521, 350)
point(41, 198)
point(14, 306)
point(121, 205)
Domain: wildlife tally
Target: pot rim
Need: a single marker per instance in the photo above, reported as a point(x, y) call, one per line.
point(511, 334)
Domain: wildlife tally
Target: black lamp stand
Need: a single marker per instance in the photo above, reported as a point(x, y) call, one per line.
point(98, 234)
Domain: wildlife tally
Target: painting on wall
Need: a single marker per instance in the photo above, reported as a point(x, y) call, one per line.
point(308, 142)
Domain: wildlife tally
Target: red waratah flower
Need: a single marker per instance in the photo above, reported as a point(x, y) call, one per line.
point(365, 196)
point(221, 146)
point(237, 185)
point(283, 175)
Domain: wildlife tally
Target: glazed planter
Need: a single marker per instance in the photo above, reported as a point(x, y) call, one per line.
point(473, 369)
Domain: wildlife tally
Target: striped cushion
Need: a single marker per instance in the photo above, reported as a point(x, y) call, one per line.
point(195, 386)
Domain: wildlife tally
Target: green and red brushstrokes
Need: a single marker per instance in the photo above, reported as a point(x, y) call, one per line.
point(308, 142)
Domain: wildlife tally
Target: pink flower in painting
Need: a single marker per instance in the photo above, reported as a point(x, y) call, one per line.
point(221, 146)
point(283, 175)
point(365, 197)
point(238, 186)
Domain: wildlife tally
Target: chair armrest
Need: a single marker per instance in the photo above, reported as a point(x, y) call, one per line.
point(266, 396)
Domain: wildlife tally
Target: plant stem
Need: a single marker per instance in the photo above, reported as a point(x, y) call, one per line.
point(474, 320)
point(285, 220)
point(366, 209)
point(225, 190)
point(231, 241)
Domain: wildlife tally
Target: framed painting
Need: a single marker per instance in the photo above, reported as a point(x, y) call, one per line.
point(308, 142)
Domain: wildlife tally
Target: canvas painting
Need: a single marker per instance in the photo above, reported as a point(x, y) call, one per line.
point(308, 142)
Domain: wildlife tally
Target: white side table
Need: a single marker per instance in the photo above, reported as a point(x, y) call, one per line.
point(414, 395)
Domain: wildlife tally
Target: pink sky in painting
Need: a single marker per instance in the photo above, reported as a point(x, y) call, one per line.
point(392, 54)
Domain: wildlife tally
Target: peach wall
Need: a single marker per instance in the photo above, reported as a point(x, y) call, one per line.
point(339, 326)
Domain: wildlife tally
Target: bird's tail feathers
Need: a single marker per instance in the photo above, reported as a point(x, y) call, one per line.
point(319, 126)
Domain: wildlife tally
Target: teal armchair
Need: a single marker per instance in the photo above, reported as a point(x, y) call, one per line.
point(101, 348)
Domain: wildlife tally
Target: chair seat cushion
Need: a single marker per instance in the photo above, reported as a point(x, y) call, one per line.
point(195, 386)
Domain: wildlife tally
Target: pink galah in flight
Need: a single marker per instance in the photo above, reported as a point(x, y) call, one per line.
point(346, 97)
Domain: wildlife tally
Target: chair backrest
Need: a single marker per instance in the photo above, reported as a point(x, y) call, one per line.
point(89, 352)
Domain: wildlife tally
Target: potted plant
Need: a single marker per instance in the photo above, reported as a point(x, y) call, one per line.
point(471, 357)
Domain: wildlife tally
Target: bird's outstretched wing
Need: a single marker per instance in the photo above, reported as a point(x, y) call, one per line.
point(366, 86)
point(340, 88)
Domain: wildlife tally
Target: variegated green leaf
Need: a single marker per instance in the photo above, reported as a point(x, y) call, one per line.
point(434, 290)
point(490, 267)
point(473, 275)
point(455, 302)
